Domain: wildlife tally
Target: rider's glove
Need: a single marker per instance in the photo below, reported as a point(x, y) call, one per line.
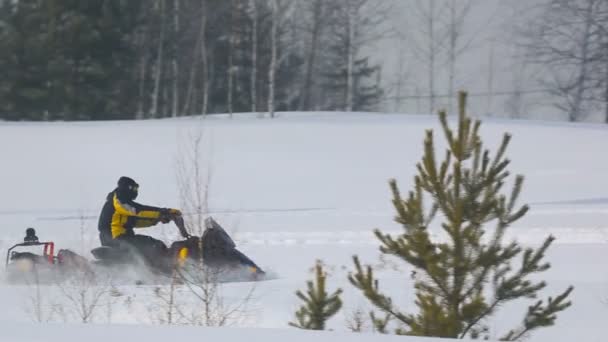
point(175, 212)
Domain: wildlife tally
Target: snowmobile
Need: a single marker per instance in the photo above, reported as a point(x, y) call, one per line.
point(214, 252)
point(19, 264)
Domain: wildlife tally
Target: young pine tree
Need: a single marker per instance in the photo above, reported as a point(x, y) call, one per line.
point(463, 280)
point(318, 305)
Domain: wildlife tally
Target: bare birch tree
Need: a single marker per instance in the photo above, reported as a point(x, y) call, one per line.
point(490, 81)
point(141, 43)
point(194, 64)
point(199, 62)
point(428, 41)
point(600, 64)
point(356, 320)
point(41, 305)
point(208, 304)
point(605, 63)
point(351, 51)
point(84, 293)
point(174, 60)
point(158, 68)
point(575, 110)
point(231, 67)
point(352, 11)
point(204, 58)
point(514, 104)
point(168, 310)
point(357, 24)
point(318, 17)
point(565, 42)
point(280, 10)
point(459, 11)
point(253, 13)
point(400, 78)
point(200, 300)
point(194, 174)
point(273, 56)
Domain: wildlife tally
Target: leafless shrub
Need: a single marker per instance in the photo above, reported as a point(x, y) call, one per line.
point(194, 295)
point(194, 173)
point(211, 307)
point(84, 293)
point(168, 309)
point(356, 320)
point(40, 304)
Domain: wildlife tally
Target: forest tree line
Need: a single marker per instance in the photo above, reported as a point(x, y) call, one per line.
point(136, 59)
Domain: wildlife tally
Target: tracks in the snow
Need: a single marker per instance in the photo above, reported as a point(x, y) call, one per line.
point(526, 235)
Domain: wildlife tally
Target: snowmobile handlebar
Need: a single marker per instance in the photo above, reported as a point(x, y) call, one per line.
point(179, 222)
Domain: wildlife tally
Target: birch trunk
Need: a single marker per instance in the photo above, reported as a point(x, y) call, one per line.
point(174, 63)
point(191, 78)
point(432, 57)
point(159, 63)
point(604, 30)
point(273, 58)
point(165, 102)
point(204, 59)
point(351, 58)
point(399, 84)
point(490, 80)
point(190, 98)
point(142, 75)
point(606, 93)
point(575, 111)
point(452, 54)
point(254, 56)
point(230, 60)
point(205, 75)
point(312, 54)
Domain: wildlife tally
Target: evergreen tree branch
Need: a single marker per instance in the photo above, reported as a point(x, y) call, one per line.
point(539, 315)
point(487, 312)
point(380, 324)
point(365, 281)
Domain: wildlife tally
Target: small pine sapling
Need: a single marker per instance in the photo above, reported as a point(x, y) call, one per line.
point(453, 298)
point(318, 306)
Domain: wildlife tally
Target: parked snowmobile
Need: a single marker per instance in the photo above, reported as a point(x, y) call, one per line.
point(213, 252)
point(22, 263)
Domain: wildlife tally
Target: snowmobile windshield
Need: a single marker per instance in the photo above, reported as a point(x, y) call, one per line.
point(216, 236)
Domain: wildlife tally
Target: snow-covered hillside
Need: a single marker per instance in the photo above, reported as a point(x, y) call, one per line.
point(295, 189)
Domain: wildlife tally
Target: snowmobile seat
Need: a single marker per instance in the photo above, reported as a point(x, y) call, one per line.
point(109, 253)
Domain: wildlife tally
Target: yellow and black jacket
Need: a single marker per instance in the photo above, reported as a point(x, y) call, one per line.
point(119, 217)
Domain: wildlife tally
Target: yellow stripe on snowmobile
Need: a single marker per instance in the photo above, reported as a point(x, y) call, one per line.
point(182, 255)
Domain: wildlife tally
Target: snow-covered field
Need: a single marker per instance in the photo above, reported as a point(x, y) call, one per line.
point(292, 190)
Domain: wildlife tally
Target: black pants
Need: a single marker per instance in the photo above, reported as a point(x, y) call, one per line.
point(154, 252)
point(106, 238)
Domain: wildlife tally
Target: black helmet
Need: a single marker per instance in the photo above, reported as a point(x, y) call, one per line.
point(127, 189)
point(30, 235)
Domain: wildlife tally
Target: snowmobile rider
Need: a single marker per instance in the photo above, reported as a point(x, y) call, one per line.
point(121, 214)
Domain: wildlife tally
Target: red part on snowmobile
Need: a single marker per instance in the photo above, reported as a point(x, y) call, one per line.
point(31, 239)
